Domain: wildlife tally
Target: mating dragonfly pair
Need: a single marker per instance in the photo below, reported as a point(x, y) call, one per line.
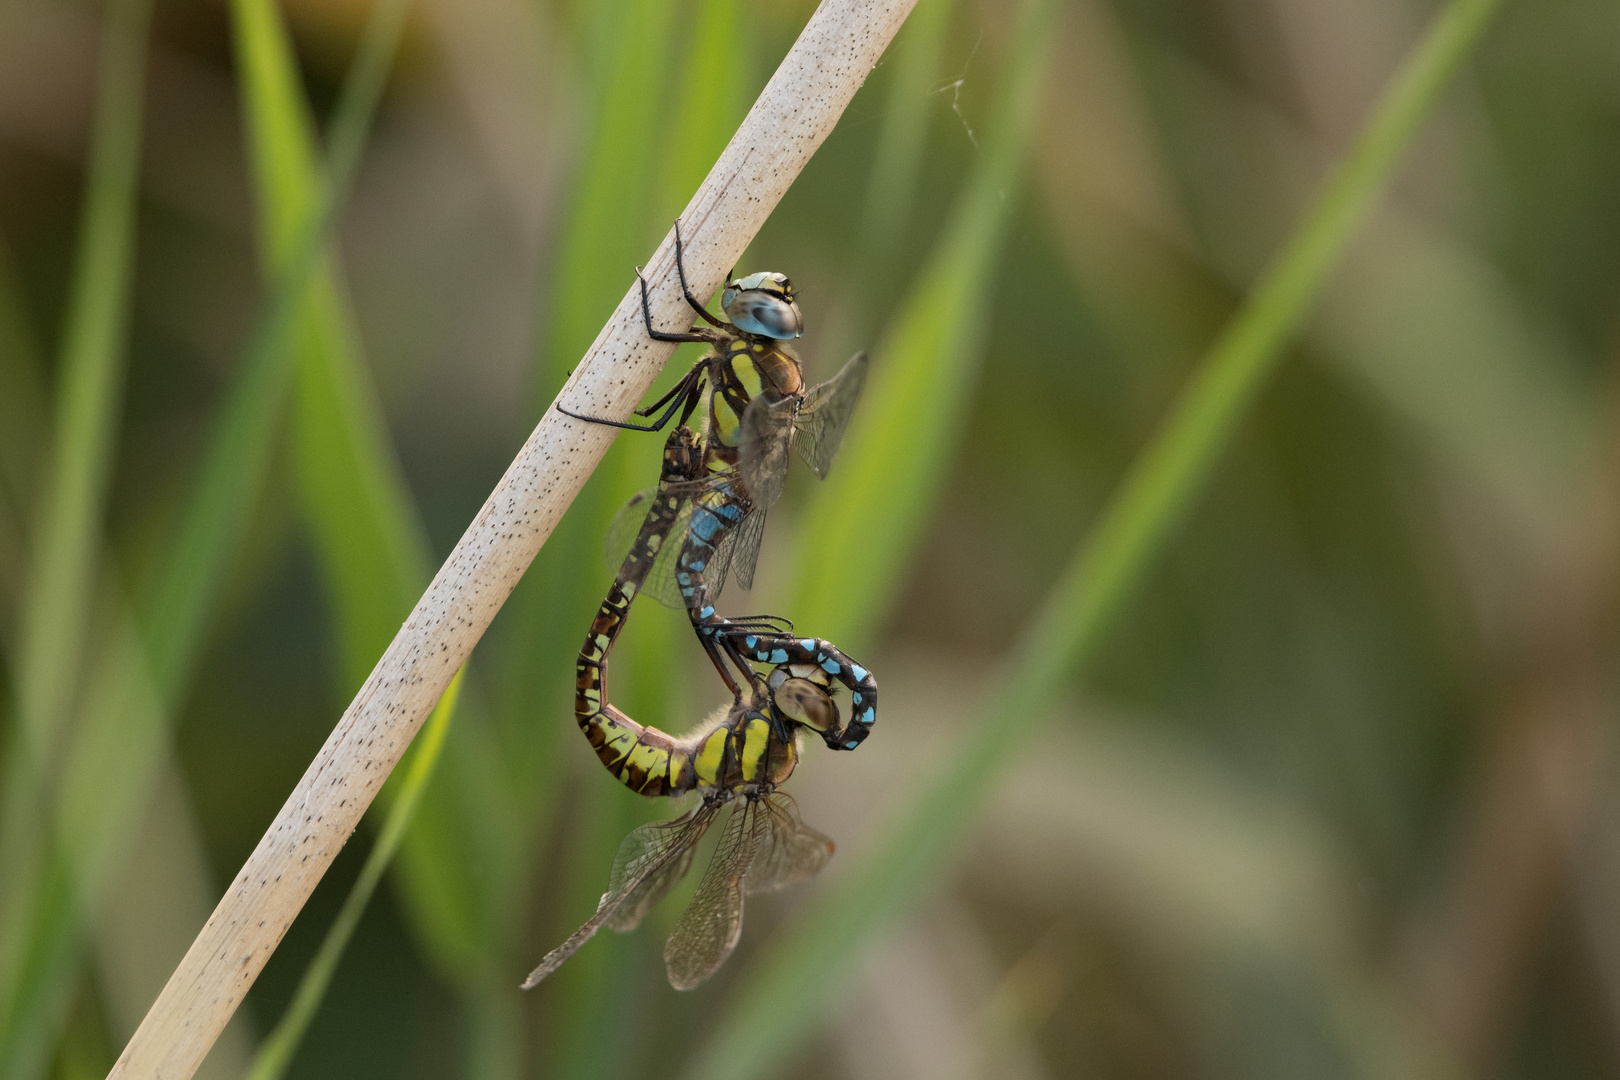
point(679, 542)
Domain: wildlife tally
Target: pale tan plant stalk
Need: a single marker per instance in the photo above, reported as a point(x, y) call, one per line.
point(794, 113)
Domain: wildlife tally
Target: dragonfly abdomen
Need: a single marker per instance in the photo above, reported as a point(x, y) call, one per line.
point(715, 514)
point(645, 760)
point(731, 750)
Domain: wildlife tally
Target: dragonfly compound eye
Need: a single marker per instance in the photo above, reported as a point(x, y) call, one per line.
point(805, 702)
point(763, 304)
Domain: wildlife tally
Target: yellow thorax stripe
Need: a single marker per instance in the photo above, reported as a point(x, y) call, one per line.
point(756, 741)
point(711, 757)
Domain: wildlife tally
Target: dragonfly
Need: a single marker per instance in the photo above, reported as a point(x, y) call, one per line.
point(759, 410)
point(796, 692)
point(737, 758)
point(765, 847)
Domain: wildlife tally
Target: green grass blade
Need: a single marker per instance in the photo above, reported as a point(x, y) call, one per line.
point(711, 102)
point(926, 366)
point(22, 442)
point(277, 1051)
point(784, 993)
point(67, 539)
point(369, 538)
point(370, 542)
point(22, 436)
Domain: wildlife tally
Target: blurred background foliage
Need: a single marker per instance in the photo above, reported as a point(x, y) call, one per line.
point(1336, 798)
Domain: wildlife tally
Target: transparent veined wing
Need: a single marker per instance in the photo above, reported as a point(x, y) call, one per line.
point(762, 453)
point(789, 850)
point(819, 426)
point(710, 928)
point(666, 531)
point(813, 423)
point(762, 461)
point(714, 574)
point(745, 547)
point(650, 861)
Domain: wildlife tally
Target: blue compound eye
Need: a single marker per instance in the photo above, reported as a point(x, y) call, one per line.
point(763, 304)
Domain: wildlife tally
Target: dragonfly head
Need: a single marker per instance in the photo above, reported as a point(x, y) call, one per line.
point(763, 304)
point(803, 698)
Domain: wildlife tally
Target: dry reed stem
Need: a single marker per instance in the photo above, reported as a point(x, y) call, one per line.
point(795, 112)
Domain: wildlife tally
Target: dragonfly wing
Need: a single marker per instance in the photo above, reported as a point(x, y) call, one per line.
point(825, 413)
point(626, 527)
point(660, 583)
point(719, 566)
point(789, 850)
point(710, 928)
point(649, 862)
point(745, 548)
point(639, 515)
point(762, 458)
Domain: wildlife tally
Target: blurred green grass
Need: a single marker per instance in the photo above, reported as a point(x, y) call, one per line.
point(55, 608)
point(1333, 645)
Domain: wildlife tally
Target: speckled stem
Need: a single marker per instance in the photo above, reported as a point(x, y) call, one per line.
point(796, 111)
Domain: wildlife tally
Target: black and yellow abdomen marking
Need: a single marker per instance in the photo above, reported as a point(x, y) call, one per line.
point(645, 759)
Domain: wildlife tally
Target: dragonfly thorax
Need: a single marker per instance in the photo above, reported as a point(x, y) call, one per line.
point(738, 749)
point(741, 370)
point(763, 304)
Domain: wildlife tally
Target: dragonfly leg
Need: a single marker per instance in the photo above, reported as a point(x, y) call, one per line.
point(685, 392)
point(690, 385)
point(694, 333)
point(680, 269)
point(714, 649)
point(775, 624)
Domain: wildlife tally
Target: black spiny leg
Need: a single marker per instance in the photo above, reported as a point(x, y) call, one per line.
point(680, 269)
point(686, 392)
point(659, 335)
point(692, 383)
point(710, 647)
point(775, 624)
